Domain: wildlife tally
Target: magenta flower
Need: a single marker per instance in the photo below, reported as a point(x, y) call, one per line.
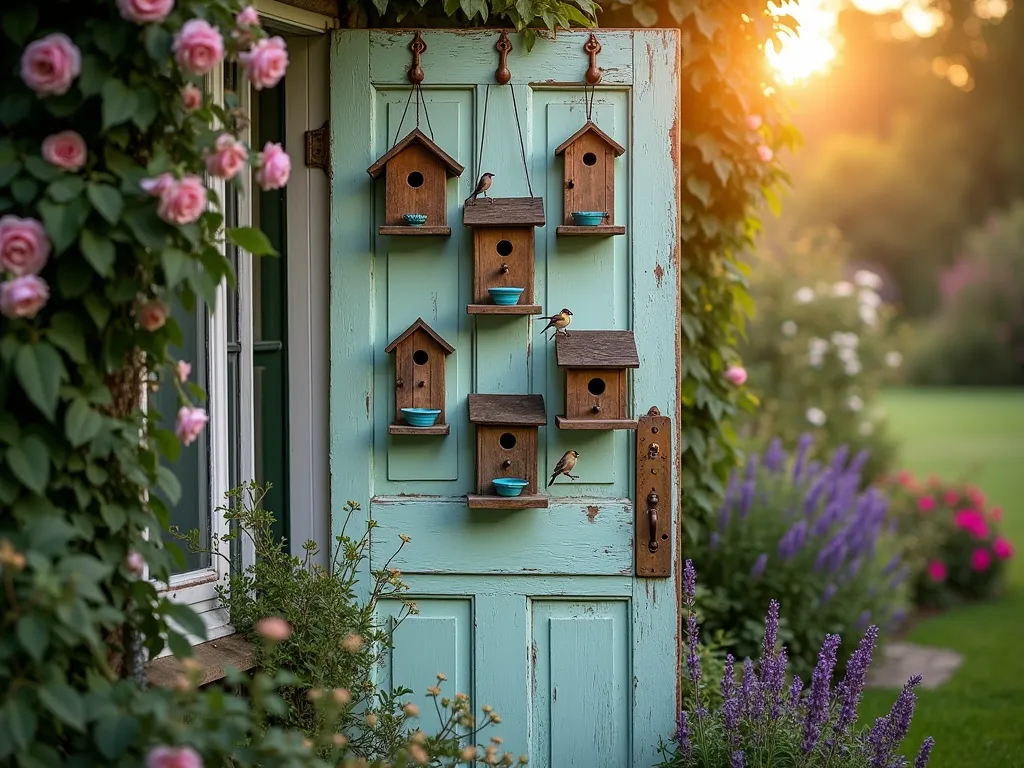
point(1002, 548)
point(972, 521)
point(937, 571)
point(173, 757)
point(926, 503)
point(981, 559)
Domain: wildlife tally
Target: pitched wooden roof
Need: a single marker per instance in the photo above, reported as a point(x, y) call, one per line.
point(522, 410)
point(504, 212)
point(416, 136)
point(596, 349)
point(589, 127)
point(419, 325)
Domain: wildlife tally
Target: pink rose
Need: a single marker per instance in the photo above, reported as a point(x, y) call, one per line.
point(972, 521)
point(274, 628)
point(145, 11)
point(198, 47)
point(173, 757)
point(937, 570)
point(1002, 548)
point(135, 562)
point(65, 150)
point(191, 98)
point(275, 167)
point(981, 560)
point(248, 17)
point(950, 498)
point(228, 158)
point(190, 423)
point(764, 153)
point(49, 65)
point(159, 185)
point(183, 369)
point(152, 315)
point(24, 248)
point(182, 202)
point(753, 122)
point(926, 503)
point(736, 374)
point(266, 62)
point(23, 296)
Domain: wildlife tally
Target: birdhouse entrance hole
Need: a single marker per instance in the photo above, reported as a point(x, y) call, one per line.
point(504, 248)
point(415, 179)
point(589, 158)
point(420, 357)
point(596, 386)
point(507, 441)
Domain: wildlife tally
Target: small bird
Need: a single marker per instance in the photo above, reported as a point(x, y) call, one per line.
point(481, 187)
point(564, 466)
point(559, 322)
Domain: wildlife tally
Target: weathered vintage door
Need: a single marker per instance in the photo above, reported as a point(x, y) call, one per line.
point(538, 611)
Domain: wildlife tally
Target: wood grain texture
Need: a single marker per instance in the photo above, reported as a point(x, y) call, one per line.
point(602, 230)
point(522, 501)
point(404, 230)
point(443, 345)
point(507, 409)
point(585, 424)
point(590, 127)
point(609, 402)
point(415, 182)
point(416, 136)
point(589, 178)
point(498, 309)
point(494, 460)
point(499, 247)
point(504, 212)
point(597, 349)
point(420, 384)
point(404, 429)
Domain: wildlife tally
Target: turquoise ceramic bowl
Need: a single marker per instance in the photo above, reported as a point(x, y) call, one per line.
point(420, 417)
point(587, 218)
point(509, 486)
point(415, 219)
point(505, 296)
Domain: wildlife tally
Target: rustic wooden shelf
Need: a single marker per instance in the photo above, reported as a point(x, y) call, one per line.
point(564, 423)
point(602, 230)
point(523, 501)
point(413, 231)
point(502, 309)
point(405, 429)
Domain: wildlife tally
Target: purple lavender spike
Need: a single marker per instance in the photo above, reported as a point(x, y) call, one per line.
point(775, 682)
point(889, 731)
point(713, 541)
point(730, 700)
point(802, 446)
point(751, 468)
point(746, 498)
point(828, 594)
point(892, 565)
point(839, 458)
point(774, 457)
point(692, 659)
point(821, 683)
point(795, 689)
point(737, 760)
point(813, 496)
point(683, 735)
point(752, 703)
point(770, 639)
point(859, 461)
point(852, 686)
point(759, 565)
point(925, 753)
point(689, 583)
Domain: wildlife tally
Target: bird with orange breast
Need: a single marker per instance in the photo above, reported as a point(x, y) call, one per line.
point(481, 187)
point(559, 322)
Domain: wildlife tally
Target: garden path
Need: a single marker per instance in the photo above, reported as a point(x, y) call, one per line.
point(900, 661)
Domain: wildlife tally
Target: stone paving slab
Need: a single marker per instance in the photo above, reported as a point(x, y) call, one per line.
point(900, 661)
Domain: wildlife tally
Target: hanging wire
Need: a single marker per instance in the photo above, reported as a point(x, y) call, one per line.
point(483, 133)
point(426, 114)
point(417, 90)
point(589, 104)
point(522, 145)
point(402, 121)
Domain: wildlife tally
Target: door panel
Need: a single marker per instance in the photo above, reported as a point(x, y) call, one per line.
point(536, 612)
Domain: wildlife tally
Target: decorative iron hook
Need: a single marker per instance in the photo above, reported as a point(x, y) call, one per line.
point(592, 47)
point(503, 75)
point(418, 48)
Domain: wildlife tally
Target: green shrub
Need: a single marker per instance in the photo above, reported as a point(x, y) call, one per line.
point(817, 352)
point(801, 533)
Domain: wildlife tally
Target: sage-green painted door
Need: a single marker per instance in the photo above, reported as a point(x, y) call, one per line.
point(536, 612)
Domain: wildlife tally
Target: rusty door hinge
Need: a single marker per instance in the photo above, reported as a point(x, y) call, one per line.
point(318, 147)
point(653, 544)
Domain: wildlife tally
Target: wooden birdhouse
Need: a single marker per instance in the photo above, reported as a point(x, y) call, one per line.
point(506, 448)
point(503, 253)
point(419, 380)
point(589, 183)
point(416, 172)
point(595, 378)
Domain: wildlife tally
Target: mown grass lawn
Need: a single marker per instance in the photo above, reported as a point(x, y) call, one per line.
point(977, 718)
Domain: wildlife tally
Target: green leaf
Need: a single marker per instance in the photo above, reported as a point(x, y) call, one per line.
point(24, 190)
point(8, 170)
point(66, 332)
point(29, 461)
point(38, 367)
point(529, 39)
point(41, 169)
point(64, 189)
point(186, 618)
point(175, 264)
point(119, 102)
point(15, 107)
point(114, 516)
point(34, 635)
point(98, 310)
point(64, 702)
point(158, 41)
point(700, 188)
point(82, 423)
point(21, 721)
point(74, 277)
point(147, 227)
point(168, 482)
point(63, 221)
point(19, 22)
point(95, 72)
point(381, 6)
point(98, 251)
point(115, 732)
point(252, 240)
point(110, 37)
point(166, 441)
point(107, 200)
point(147, 109)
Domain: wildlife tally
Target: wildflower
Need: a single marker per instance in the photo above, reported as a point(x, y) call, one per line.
point(714, 540)
point(759, 565)
point(972, 521)
point(804, 295)
point(683, 734)
point(816, 416)
point(418, 754)
point(867, 279)
point(890, 730)
point(854, 403)
point(868, 315)
point(852, 367)
point(737, 759)
point(892, 565)
point(274, 628)
point(371, 720)
point(434, 690)
point(746, 497)
point(341, 696)
point(774, 457)
point(793, 540)
point(926, 503)
point(852, 686)
point(821, 682)
point(468, 753)
point(339, 740)
point(442, 677)
point(842, 289)
point(352, 642)
point(789, 328)
point(1002, 548)
point(925, 753)
point(981, 559)
point(736, 374)
point(730, 702)
point(795, 689)
point(893, 359)
point(828, 594)
point(750, 692)
point(802, 446)
point(977, 497)
point(173, 757)
point(182, 370)
point(411, 710)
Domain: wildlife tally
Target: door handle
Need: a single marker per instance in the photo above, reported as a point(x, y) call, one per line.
point(652, 519)
point(653, 546)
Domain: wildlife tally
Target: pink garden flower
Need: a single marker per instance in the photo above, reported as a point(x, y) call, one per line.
point(977, 497)
point(65, 150)
point(135, 562)
point(145, 11)
point(49, 65)
point(183, 369)
point(191, 98)
point(24, 248)
point(190, 423)
point(926, 503)
point(753, 122)
point(274, 167)
point(198, 47)
point(158, 185)
point(736, 374)
point(1002, 548)
point(228, 157)
point(265, 63)
point(173, 757)
point(972, 521)
point(274, 628)
point(937, 571)
point(23, 296)
point(950, 498)
point(981, 559)
point(248, 17)
point(181, 202)
point(153, 314)
point(764, 153)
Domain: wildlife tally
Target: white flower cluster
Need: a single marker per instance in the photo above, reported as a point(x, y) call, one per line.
point(893, 359)
point(816, 416)
point(846, 350)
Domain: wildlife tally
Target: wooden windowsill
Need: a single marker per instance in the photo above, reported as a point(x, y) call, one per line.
point(213, 657)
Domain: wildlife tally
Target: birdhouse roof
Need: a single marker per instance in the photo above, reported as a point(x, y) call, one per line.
point(589, 127)
point(596, 349)
point(419, 325)
point(504, 212)
point(416, 136)
point(524, 410)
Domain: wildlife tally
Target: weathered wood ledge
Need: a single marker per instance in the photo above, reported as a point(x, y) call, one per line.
point(214, 657)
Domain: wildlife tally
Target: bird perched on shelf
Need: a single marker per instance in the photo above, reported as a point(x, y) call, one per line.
point(559, 322)
point(564, 467)
point(481, 187)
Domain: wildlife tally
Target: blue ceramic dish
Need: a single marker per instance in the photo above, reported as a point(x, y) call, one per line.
point(505, 296)
point(509, 486)
point(587, 218)
point(420, 417)
point(415, 219)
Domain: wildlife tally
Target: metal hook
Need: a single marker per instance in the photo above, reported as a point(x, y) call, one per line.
point(503, 74)
point(592, 47)
point(418, 48)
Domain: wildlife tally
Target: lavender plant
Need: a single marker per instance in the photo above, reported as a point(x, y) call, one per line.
point(803, 532)
point(761, 722)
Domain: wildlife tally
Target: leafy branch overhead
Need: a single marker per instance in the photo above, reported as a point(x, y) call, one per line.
point(521, 14)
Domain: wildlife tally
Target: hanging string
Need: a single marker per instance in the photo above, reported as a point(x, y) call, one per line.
point(417, 90)
point(483, 133)
point(589, 104)
point(404, 113)
point(522, 145)
point(426, 114)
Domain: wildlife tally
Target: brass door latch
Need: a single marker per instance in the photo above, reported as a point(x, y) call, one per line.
point(653, 545)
